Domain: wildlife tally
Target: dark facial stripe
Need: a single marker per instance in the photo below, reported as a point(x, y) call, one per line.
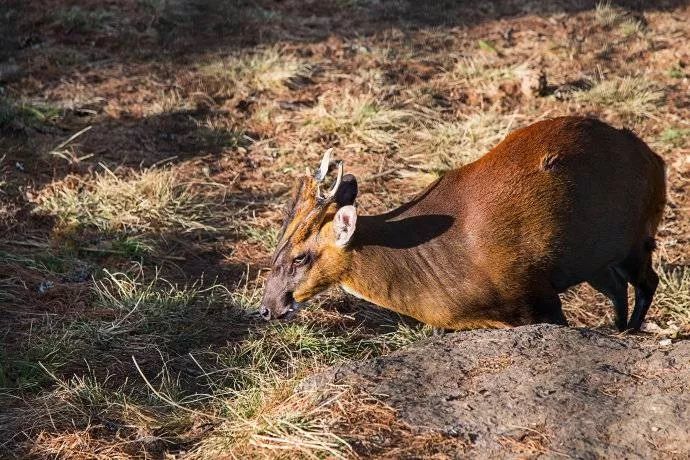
point(306, 221)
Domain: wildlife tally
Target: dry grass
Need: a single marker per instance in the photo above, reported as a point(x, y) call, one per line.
point(87, 409)
point(671, 306)
point(248, 396)
point(480, 72)
point(355, 120)
point(635, 96)
point(168, 101)
point(608, 14)
point(261, 70)
point(332, 422)
point(672, 299)
point(611, 16)
point(149, 201)
point(446, 145)
point(282, 424)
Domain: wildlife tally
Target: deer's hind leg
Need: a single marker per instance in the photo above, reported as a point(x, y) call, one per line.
point(645, 280)
point(612, 282)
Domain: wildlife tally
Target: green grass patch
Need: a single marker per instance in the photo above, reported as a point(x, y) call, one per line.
point(147, 310)
point(675, 137)
point(135, 247)
point(44, 260)
point(50, 346)
point(17, 115)
point(211, 136)
point(80, 20)
point(267, 237)
point(487, 45)
point(128, 313)
point(676, 72)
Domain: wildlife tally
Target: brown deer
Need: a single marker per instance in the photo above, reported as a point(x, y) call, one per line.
point(490, 244)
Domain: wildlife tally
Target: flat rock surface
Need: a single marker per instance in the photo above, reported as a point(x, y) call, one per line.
point(541, 390)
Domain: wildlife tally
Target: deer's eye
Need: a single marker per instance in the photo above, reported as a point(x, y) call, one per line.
point(300, 259)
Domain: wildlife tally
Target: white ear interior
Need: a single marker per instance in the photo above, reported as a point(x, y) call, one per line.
point(344, 225)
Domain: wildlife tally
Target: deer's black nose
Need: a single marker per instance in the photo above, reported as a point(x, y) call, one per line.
point(265, 313)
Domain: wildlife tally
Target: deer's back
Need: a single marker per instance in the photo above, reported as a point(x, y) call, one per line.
point(558, 199)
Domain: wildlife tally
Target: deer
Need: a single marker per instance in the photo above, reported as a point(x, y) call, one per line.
point(490, 244)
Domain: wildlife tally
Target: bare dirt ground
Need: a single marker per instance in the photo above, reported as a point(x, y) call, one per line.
point(146, 150)
point(533, 391)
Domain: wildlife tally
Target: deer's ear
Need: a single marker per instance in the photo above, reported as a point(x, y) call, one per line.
point(347, 192)
point(344, 225)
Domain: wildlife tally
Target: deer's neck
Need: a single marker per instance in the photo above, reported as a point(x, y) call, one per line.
point(398, 264)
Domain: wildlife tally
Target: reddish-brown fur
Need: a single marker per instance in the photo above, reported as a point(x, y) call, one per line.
point(493, 243)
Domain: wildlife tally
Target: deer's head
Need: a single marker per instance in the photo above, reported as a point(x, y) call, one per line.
point(312, 252)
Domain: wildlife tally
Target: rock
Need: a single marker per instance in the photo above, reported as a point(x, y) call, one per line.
point(566, 90)
point(45, 286)
point(650, 327)
point(533, 82)
point(574, 392)
point(653, 328)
